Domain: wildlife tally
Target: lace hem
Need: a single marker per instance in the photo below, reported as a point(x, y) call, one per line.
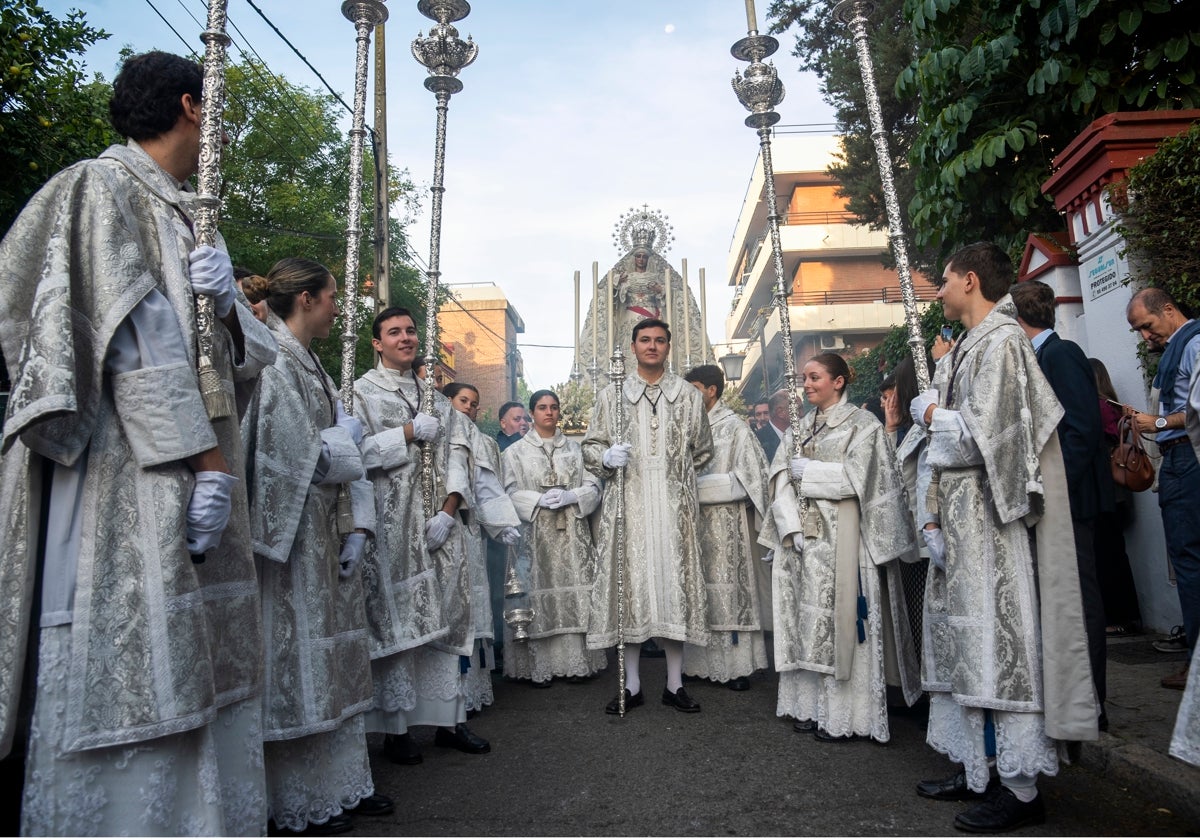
point(564, 655)
point(722, 660)
point(314, 778)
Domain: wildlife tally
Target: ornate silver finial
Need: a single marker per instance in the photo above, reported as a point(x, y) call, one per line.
point(643, 229)
point(759, 89)
point(442, 51)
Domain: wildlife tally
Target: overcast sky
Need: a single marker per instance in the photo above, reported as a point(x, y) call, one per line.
point(573, 113)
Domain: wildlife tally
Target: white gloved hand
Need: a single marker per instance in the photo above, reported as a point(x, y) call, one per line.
point(348, 422)
point(212, 274)
point(565, 499)
point(509, 536)
point(437, 530)
point(921, 403)
point(796, 467)
point(425, 427)
point(769, 557)
point(208, 510)
point(936, 540)
point(351, 555)
point(617, 455)
point(798, 541)
point(550, 498)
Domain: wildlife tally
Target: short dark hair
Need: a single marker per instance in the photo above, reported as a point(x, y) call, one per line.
point(452, 389)
point(537, 395)
point(147, 92)
point(386, 315)
point(1153, 299)
point(710, 376)
point(507, 407)
point(648, 323)
point(1035, 303)
point(990, 264)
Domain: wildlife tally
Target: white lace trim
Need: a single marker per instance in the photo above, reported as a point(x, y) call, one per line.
point(722, 660)
point(317, 777)
point(562, 655)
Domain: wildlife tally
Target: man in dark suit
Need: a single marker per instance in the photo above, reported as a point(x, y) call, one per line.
point(1085, 453)
point(772, 433)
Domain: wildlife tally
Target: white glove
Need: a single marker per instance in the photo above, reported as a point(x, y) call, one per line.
point(798, 541)
point(437, 530)
point(349, 422)
point(550, 498)
point(509, 536)
point(936, 540)
point(921, 403)
point(208, 510)
point(769, 557)
point(425, 426)
point(617, 455)
point(212, 274)
point(351, 555)
point(565, 499)
point(796, 467)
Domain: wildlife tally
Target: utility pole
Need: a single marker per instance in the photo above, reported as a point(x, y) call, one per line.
point(383, 269)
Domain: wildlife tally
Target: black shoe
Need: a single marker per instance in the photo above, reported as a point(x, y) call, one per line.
point(952, 789)
point(739, 684)
point(401, 749)
point(462, 739)
point(804, 726)
point(1001, 811)
point(680, 700)
point(337, 824)
point(632, 701)
point(821, 735)
point(375, 805)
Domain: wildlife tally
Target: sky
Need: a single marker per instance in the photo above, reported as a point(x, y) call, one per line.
point(573, 113)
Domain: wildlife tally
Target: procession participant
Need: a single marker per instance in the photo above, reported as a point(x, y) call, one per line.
point(418, 595)
point(732, 492)
point(123, 554)
point(841, 525)
point(1010, 674)
point(554, 495)
point(494, 511)
point(302, 448)
point(666, 439)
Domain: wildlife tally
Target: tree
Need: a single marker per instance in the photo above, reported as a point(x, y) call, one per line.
point(870, 367)
point(50, 115)
point(1004, 85)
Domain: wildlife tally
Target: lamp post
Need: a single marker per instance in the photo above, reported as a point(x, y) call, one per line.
point(444, 54)
point(854, 14)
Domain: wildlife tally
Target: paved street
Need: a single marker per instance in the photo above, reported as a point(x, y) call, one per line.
point(560, 766)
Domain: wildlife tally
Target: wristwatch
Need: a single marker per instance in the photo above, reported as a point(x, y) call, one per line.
point(1160, 423)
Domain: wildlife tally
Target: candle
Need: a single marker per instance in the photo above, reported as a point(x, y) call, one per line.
point(670, 315)
point(595, 308)
point(687, 319)
point(703, 322)
point(575, 368)
point(611, 295)
point(751, 22)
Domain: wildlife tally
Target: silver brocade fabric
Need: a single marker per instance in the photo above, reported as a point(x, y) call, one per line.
point(158, 641)
point(728, 536)
point(555, 545)
point(664, 585)
point(814, 596)
point(317, 656)
point(406, 578)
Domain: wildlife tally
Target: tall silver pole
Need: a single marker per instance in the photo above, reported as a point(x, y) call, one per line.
point(217, 402)
point(616, 374)
point(366, 15)
point(854, 14)
point(444, 54)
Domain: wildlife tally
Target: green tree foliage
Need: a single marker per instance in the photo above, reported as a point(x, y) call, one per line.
point(870, 367)
point(575, 399)
point(1004, 85)
point(50, 115)
point(1161, 225)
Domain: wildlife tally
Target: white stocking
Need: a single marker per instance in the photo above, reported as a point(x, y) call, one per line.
point(633, 658)
point(674, 651)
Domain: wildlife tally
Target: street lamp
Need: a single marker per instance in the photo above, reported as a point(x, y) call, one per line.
point(731, 365)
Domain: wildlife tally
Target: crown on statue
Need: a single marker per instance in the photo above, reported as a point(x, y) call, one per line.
point(643, 228)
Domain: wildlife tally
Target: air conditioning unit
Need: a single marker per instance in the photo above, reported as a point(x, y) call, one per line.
point(832, 341)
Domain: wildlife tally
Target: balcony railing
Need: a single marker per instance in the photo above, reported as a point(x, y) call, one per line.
point(886, 294)
point(819, 217)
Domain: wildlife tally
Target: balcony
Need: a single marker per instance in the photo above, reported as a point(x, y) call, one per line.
point(886, 294)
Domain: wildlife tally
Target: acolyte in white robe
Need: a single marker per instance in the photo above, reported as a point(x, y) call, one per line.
point(733, 495)
point(141, 649)
point(664, 584)
point(554, 560)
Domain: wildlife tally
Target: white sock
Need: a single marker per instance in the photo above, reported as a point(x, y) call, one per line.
point(1022, 787)
point(633, 658)
point(674, 651)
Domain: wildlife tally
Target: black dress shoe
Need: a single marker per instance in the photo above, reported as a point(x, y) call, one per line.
point(401, 749)
point(1001, 811)
point(375, 805)
point(821, 735)
point(632, 701)
point(951, 789)
point(739, 684)
point(680, 700)
point(804, 726)
point(462, 739)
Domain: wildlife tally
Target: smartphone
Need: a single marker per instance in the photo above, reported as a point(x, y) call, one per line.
point(947, 333)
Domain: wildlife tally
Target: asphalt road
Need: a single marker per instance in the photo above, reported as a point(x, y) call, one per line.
point(559, 766)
